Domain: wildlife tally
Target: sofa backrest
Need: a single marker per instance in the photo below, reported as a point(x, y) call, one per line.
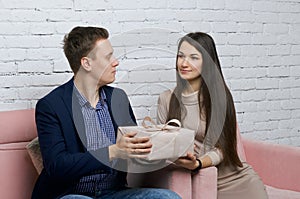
point(240, 147)
point(17, 126)
point(277, 165)
point(17, 173)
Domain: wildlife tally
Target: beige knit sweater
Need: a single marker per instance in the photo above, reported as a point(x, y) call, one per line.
point(191, 121)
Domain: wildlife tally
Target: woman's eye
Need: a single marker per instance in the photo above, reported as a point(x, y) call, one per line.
point(195, 58)
point(180, 56)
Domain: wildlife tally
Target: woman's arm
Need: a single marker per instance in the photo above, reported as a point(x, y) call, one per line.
point(212, 158)
point(191, 162)
point(162, 108)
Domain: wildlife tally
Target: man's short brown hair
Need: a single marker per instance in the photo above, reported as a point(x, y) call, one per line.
point(79, 43)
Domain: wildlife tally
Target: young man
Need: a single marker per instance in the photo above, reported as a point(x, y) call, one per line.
point(77, 124)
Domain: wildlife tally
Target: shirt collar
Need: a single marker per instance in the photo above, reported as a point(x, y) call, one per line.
point(84, 102)
point(103, 95)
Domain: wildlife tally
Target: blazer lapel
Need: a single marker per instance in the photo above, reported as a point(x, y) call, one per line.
point(68, 96)
point(108, 92)
point(73, 107)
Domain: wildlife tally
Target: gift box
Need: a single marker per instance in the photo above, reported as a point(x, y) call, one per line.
point(168, 142)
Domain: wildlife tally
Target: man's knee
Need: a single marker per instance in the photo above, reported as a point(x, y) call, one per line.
point(163, 194)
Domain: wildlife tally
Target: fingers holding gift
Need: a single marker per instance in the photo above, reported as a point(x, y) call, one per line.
point(130, 134)
point(129, 138)
point(137, 140)
point(131, 145)
point(138, 150)
point(189, 161)
point(190, 156)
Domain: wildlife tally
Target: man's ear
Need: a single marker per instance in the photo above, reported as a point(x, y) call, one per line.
point(85, 63)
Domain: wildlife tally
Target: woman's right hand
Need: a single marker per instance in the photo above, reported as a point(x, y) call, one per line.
point(189, 161)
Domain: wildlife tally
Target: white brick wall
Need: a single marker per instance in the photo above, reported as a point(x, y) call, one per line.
point(258, 42)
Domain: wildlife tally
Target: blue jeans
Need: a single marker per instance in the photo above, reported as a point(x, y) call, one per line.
point(130, 193)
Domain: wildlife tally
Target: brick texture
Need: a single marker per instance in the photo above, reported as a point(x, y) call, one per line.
point(258, 42)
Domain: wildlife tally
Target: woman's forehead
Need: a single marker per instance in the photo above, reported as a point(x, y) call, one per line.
point(187, 48)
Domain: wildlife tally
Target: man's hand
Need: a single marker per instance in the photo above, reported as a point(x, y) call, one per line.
point(129, 146)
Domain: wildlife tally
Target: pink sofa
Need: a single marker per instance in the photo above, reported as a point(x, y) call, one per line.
point(17, 173)
point(278, 167)
point(276, 164)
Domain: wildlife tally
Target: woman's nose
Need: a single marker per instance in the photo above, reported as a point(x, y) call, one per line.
point(185, 62)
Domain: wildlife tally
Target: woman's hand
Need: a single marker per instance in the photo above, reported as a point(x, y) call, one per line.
point(129, 146)
point(189, 161)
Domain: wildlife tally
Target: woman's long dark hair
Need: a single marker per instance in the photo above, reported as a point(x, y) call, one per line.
point(216, 104)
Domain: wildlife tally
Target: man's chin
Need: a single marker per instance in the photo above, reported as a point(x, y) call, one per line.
point(112, 81)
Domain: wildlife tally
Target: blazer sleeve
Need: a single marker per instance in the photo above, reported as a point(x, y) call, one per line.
point(62, 152)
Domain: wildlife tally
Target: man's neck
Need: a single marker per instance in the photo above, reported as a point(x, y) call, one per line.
point(88, 89)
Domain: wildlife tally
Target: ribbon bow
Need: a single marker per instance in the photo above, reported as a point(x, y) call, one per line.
point(155, 127)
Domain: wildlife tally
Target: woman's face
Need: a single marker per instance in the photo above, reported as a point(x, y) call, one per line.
point(189, 62)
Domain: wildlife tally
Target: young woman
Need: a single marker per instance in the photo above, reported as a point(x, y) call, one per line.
point(202, 102)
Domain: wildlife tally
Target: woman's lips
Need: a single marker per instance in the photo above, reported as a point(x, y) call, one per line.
point(182, 71)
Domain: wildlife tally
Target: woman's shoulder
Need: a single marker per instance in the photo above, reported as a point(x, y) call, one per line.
point(166, 95)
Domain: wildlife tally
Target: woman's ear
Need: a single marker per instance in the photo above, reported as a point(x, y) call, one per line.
point(86, 63)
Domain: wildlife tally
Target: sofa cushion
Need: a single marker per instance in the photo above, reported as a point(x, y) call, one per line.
point(18, 175)
point(34, 152)
point(275, 193)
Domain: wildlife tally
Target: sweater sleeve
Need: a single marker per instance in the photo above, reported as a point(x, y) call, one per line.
point(162, 107)
point(215, 155)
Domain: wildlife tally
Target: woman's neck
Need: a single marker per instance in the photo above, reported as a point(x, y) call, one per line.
point(193, 86)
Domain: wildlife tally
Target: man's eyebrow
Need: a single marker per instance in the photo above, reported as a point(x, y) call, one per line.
point(109, 54)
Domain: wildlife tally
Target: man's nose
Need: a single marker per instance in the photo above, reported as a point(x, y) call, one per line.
point(115, 62)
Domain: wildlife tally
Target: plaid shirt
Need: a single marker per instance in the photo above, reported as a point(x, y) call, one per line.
point(100, 133)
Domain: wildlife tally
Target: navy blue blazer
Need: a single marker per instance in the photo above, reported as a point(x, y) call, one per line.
point(62, 139)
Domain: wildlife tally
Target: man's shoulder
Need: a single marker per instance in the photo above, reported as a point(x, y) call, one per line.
point(113, 91)
point(112, 88)
point(58, 92)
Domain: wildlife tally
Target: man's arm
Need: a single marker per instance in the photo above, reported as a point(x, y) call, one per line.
point(60, 147)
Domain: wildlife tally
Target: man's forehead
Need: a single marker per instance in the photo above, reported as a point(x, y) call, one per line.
point(102, 46)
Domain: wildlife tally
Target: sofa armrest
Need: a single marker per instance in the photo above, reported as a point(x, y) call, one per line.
point(277, 165)
point(201, 185)
point(204, 184)
point(173, 178)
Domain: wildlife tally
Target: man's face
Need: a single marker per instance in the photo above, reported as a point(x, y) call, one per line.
point(103, 63)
